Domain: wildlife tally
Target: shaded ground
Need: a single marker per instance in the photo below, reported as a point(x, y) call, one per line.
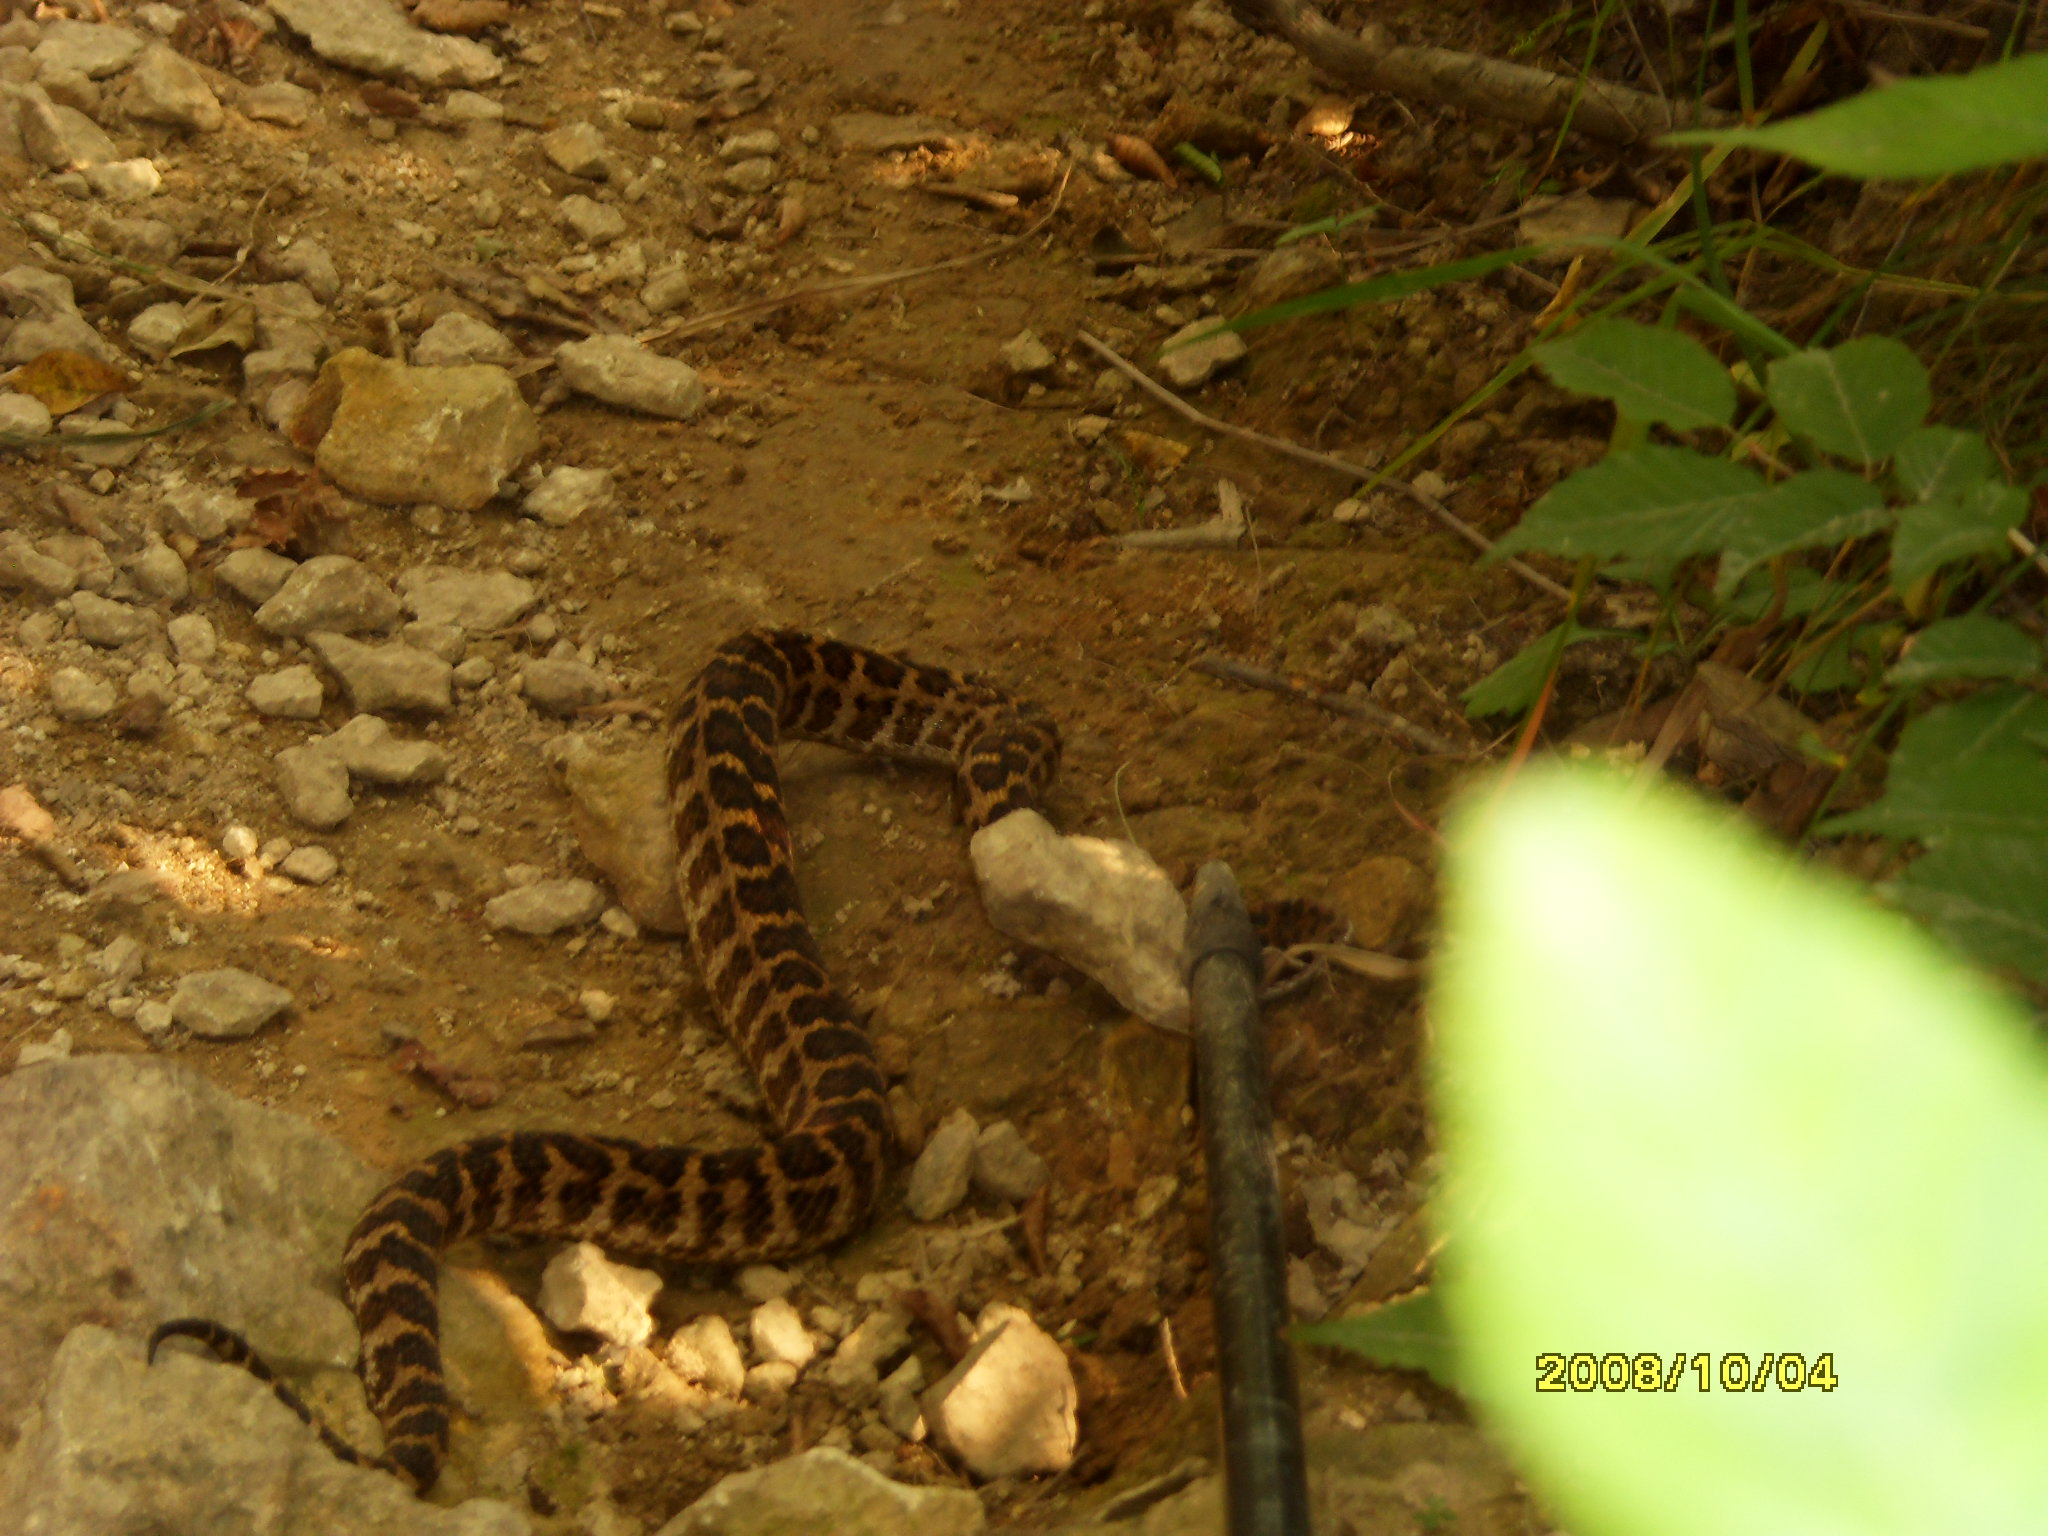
point(835, 485)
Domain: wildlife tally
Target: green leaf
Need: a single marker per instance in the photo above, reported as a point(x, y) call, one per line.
point(1819, 507)
point(1988, 895)
point(1859, 400)
point(1410, 1333)
point(1834, 665)
point(1382, 290)
point(1514, 684)
point(1964, 768)
point(1805, 591)
point(1922, 127)
point(1693, 1099)
point(1651, 374)
point(1973, 521)
point(1653, 503)
point(1940, 461)
point(1971, 646)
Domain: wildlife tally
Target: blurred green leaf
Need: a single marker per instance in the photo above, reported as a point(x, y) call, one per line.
point(1940, 461)
point(1988, 895)
point(1651, 374)
point(1693, 1099)
point(1859, 400)
point(1973, 521)
point(1653, 503)
point(1833, 666)
point(1964, 768)
point(1410, 1333)
point(1819, 507)
point(1974, 645)
point(1921, 127)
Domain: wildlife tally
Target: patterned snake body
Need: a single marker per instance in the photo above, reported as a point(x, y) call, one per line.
point(809, 1186)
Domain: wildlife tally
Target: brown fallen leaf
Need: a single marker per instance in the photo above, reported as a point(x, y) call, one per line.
point(940, 1320)
point(297, 513)
point(64, 381)
point(1155, 454)
point(466, 17)
point(468, 1089)
point(22, 816)
point(790, 218)
point(388, 100)
point(1137, 156)
point(1031, 1222)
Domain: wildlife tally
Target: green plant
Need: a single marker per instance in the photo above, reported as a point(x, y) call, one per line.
point(1694, 1102)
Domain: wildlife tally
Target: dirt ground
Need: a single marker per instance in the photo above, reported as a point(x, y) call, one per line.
point(836, 484)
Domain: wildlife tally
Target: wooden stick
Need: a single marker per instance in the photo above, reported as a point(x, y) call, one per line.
point(1423, 499)
point(1337, 703)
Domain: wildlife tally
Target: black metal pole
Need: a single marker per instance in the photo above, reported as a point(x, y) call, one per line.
point(1264, 1474)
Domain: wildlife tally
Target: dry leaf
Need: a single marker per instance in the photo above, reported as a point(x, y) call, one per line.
point(297, 513)
point(1153, 453)
point(468, 1089)
point(1137, 156)
point(64, 381)
point(215, 324)
point(791, 217)
point(388, 100)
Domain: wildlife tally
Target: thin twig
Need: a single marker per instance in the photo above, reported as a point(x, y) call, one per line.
point(1338, 704)
point(1423, 499)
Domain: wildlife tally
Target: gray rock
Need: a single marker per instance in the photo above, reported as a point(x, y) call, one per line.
point(618, 809)
point(1004, 1166)
point(86, 556)
point(751, 177)
point(621, 372)
point(1291, 272)
point(876, 133)
point(104, 622)
point(825, 1492)
point(208, 511)
point(193, 638)
point(549, 906)
point(159, 572)
point(368, 750)
point(581, 1291)
point(590, 221)
point(561, 687)
point(855, 1368)
point(60, 138)
point(753, 144)
point(763, 1282)
point(458, 338)
point(23, 415)
point(1106, 908)
point(666, 290)
point(227, 1004)
point(779, 1333)
point(125, 181)
point(308, 262)
point(704, 1351)
point(182, 1200)
point(329, 592)
point(93, 49)
point(481, 602)
point(314, 785)
point(446, 641)
point(1028, 357)
point(1008, 1408)
point(378, 678)
point(1198, 351)
point(449, 436)
point(257, 575)
point(79, 696)
point(280, 102)
point(115, 1444)
point(377, 39)
point(938, 1179)
point(23, 567)
point(164, 87)
point(565, 493)
point(768, 1383)
point(291, 693)
point(31, 338)
point(578, 149)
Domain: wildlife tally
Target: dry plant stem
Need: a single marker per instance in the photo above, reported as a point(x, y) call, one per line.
point(1423, 499)
point(1517, 93)
point(1338, 704)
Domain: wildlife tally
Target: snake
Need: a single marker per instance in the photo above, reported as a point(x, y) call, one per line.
point(808, 1186)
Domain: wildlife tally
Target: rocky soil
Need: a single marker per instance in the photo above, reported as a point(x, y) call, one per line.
point(324, 706)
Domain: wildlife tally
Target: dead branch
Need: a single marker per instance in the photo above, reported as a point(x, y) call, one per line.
point(1517, 93)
